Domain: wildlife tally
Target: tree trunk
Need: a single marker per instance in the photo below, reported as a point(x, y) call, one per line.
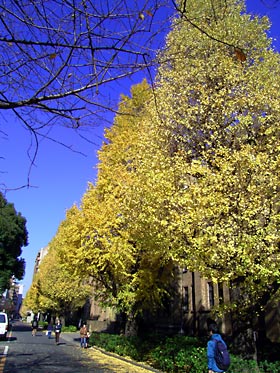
point(131, 325)
point(243, 334)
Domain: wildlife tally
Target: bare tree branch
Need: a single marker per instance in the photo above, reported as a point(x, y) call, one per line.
point(52, 51)
point(58, 57)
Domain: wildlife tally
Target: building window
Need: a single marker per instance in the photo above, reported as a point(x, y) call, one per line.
point(211, 294)
point(221, 293)
point(185, 299)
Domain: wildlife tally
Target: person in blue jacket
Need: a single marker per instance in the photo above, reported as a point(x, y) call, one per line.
point(49, 330)
point(211, 345)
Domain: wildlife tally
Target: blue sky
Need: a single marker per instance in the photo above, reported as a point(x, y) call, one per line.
point(60, 176)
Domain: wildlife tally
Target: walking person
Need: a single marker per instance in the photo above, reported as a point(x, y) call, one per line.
point(49, 330)
point(57, 330)
point(34, 326)
point(217, 363)
point(84, 336)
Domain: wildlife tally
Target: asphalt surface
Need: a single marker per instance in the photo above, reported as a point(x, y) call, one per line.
point(22, 353)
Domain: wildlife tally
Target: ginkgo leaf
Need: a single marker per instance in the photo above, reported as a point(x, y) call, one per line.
point(240, 55)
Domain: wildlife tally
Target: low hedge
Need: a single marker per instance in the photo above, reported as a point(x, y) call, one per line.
point(69, 328)
point(43, 324)
point(179, 354)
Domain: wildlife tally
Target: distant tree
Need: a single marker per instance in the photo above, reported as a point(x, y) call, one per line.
point(13, 236)
point(54, 289)
point(31, 300)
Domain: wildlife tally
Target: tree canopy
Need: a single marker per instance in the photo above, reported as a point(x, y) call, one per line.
point(189, 173)
point(60, 59)
point(219, 110)
point(54, 289)
point(13, 236)
point(128, 273)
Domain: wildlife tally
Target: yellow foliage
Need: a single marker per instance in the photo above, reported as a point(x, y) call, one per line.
point(218, 122)
point(188, 174)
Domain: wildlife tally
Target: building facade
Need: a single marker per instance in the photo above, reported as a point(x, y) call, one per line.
point(41, 253)
point(189, 312)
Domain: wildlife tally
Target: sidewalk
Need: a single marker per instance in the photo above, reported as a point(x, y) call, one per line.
point(72, 338)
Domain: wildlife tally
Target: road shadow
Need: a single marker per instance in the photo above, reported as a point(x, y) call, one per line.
point(11, 339)
point(20, 327)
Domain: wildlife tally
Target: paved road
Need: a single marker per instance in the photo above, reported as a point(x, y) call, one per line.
point(22, 353)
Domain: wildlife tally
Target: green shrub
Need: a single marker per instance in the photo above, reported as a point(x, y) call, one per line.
point(193, 361)
point(70, 328)
point(179, 354)
point(242, 366)
point(270, 367)
point(43, 324)
point(115, 343)
point(251, 366)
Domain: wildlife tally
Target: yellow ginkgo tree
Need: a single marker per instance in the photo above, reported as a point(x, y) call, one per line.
point(189, 172)
point(127, 258)
point(55, 289)
point(218, 114)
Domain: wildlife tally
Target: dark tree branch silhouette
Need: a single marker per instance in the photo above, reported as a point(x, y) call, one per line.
point(57, 57)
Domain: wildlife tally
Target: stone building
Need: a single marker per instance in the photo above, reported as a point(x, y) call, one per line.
point(189, 312)
point(41, 253)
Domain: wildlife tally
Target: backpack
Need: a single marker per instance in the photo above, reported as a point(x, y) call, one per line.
point(221, 356)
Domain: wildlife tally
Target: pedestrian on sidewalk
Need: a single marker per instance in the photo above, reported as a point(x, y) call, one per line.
point(49, 330)
point(57, 330)
point(34, 326)
point(214, 365)
point(84, 336)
